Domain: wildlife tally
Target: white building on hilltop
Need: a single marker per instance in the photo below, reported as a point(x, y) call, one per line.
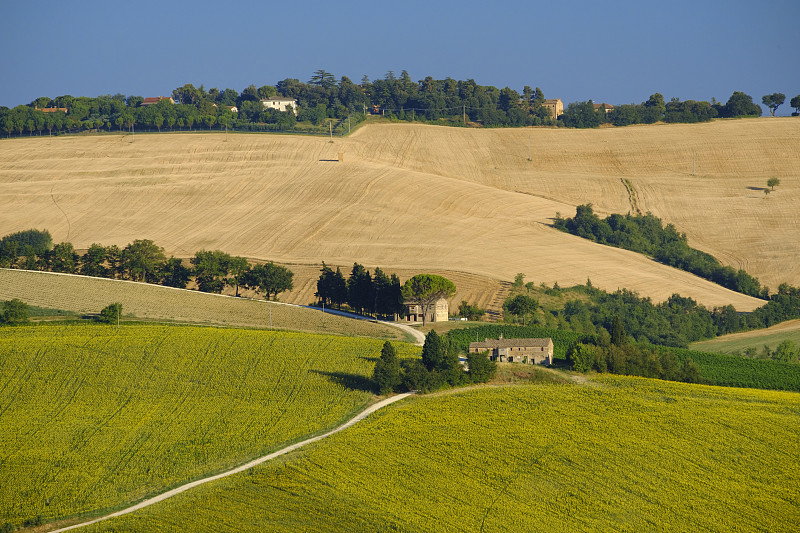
point(280, 103)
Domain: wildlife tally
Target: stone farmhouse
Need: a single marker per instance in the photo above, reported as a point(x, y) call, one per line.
point(280, 103)
point(555, 107)
point(438, 312)
point(528, 351)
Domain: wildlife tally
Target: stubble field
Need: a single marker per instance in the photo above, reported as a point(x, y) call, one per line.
point(424, 198)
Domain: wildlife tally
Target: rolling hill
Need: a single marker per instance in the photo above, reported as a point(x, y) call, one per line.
point(416, 197)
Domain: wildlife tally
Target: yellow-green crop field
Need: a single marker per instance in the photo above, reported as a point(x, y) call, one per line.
point(617, 454)
point(93, 417)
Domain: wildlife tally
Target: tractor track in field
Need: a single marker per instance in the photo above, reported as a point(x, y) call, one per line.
point(242, 468)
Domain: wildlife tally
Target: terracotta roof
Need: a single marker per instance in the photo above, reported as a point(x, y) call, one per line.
point(150, 100)
point(512, 343)
point(51, 109)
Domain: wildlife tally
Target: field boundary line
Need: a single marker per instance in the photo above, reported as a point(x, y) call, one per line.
point(239, 469)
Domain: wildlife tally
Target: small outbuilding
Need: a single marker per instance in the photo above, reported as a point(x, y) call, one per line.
point(438, 312)
point(528, 351)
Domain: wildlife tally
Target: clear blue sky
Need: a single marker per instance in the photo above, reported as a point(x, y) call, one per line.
point(615, 52)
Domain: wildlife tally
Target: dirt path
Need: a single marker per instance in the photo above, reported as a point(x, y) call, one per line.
point(183, 488)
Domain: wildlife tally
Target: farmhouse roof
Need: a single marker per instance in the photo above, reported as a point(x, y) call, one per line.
point(489, 344)
point(278, 99)
point(150, 100)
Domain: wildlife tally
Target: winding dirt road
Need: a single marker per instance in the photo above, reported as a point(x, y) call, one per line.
point(183, 488)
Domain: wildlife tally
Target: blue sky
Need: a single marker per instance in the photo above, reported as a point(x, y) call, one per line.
point(615, 52)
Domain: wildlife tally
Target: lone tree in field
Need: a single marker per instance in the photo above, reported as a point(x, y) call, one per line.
point(773, 182)
point(110, 314)
point(426, 290)
point(773, 101)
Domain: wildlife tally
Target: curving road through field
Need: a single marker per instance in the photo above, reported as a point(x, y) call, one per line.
point(183, 488)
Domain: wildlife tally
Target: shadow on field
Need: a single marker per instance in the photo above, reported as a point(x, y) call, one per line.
point(351, 381)
point(370, 359)
point(756, 188)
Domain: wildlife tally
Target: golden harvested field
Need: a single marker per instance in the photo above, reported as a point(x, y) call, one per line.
point(425, 198)
point(89, 295)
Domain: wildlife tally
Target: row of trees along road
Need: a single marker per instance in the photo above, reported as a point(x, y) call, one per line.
point(144, 261)
point(324, 98)
point(379, 294)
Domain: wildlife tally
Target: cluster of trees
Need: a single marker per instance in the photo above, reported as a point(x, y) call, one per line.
point(632, 360)
point(520, 307)
point(325, 98)
point(143, 260)
point(470, 311)
point(438, 367)
point(379, 294)
point(677, 321)
point(646, 234)
point(14, 312)
point(787, 351)
point(656, 109)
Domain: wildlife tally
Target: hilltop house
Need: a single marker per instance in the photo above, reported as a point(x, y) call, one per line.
point(555, 107)
point(438, 312)
point(150, 100)
point(529, 351)
point(280, 103)
point(52, 109)
point(608, 108)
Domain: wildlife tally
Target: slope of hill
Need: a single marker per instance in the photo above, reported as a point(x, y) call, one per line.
point(96, 416)
point(424, 197)
point(83, 294)
point(757, 339)
point(623, 454)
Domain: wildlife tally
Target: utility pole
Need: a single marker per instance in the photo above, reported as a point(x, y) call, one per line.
point(464, 111)
point(330, 127)
point(348, 124)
